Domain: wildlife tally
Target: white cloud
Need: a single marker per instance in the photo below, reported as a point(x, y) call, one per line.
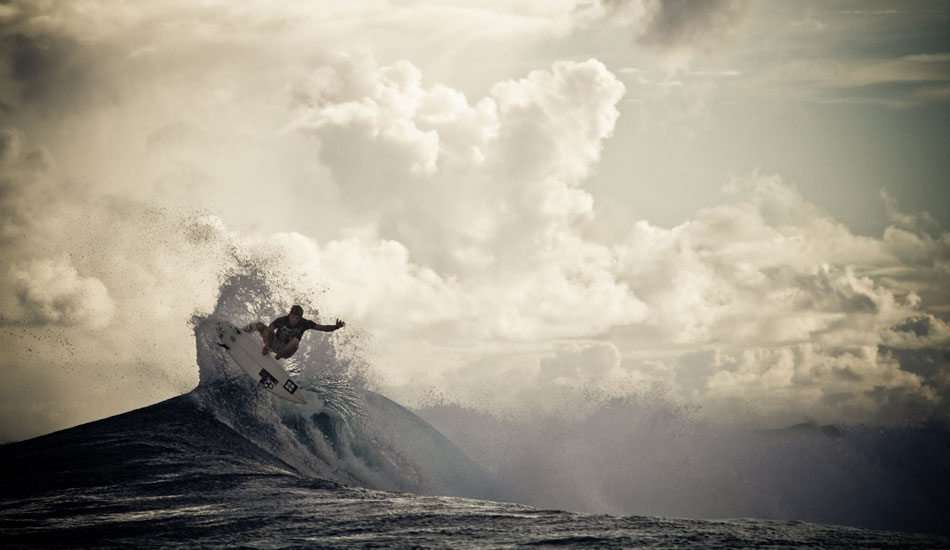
point(484, 188)
point(53, 292)
point(372, 280)
point(502, 170)
point(774, 289)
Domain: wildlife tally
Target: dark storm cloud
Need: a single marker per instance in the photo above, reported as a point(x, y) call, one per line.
point(931, 364)
point(920, 325)
point(677, 23)
point(41, 68)
point(32, 60)
point(671, 25)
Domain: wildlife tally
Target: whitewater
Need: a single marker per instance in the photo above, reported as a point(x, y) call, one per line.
point(228, 465)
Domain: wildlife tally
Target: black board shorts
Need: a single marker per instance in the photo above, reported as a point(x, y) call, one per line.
point(276, 345)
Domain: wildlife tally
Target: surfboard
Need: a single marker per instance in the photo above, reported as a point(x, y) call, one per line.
point(244, 348)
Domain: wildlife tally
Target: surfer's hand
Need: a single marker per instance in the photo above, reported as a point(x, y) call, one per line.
point(339, 324)
point(265, 350)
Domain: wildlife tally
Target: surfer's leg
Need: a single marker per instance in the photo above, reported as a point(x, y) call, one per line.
point(256, 327)
point(274, 344)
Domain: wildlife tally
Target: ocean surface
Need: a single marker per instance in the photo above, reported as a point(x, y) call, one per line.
point(229, 466)
point(172, 475)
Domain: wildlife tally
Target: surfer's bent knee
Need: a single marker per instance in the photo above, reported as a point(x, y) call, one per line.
point(257, 327)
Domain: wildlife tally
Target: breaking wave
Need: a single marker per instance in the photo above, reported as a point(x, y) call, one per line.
point(345, 433)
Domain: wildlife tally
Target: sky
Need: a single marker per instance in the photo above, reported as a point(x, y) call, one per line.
point(519, 207)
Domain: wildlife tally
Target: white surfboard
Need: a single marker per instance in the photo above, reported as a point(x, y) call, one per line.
point(245, 350)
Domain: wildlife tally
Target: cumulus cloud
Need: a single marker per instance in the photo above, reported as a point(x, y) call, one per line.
point(477, 189)
point(53, 292)
point(406, 151)
point(789, 312)
point(373, 280)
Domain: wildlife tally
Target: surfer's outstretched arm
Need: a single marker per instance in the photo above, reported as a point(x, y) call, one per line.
point(330, 328)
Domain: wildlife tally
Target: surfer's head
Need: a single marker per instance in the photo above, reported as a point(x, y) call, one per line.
point(296, 313)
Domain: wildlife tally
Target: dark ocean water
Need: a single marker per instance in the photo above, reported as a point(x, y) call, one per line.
point(173, 475)
point(230, 466)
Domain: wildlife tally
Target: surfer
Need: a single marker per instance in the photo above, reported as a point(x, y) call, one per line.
point(284, 333)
